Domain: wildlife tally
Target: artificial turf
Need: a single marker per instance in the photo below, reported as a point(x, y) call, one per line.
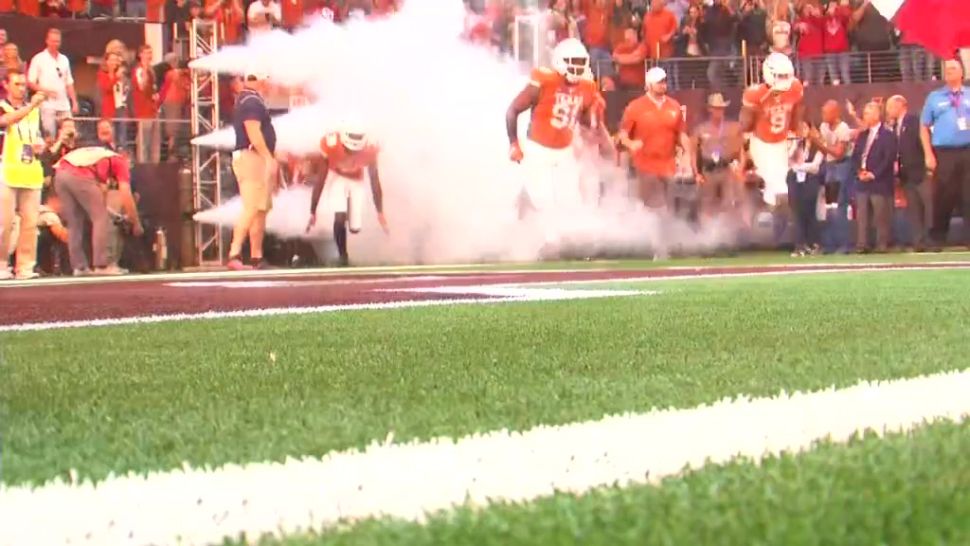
point(237, 390)
point(911, 489)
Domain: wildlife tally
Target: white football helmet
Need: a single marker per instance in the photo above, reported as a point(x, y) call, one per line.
point(778, 72)
point(352, 134)
point(571, 59)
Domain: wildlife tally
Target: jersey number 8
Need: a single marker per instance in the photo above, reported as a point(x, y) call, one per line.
point(778, 118)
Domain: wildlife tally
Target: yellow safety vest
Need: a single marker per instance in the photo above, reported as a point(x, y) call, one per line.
point(21, 167)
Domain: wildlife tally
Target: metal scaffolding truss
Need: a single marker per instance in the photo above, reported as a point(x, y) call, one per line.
point(206, 163)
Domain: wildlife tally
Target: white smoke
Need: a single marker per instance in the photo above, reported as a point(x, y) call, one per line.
point(436, 105)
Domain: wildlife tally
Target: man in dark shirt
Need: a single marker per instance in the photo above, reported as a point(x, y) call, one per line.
point(255, 168)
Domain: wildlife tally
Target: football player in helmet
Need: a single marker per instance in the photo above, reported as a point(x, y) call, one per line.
point(347, 154)
point(560, 98)
point(772, 111)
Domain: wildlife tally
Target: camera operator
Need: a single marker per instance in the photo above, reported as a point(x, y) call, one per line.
point(82, 179)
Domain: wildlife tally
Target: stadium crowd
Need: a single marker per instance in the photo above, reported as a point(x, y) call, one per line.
point(689, 44)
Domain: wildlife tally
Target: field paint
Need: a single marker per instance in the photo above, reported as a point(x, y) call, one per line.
point(489, 295)
point(290, 283)
point(450, 270)
point(551, 296)
point(407, 481)
point(364, 272)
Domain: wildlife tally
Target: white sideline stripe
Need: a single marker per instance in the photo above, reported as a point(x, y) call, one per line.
point(498, 295)
point(192, 507)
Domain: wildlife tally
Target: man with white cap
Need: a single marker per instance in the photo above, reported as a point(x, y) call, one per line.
point(652, 128)
point(255, 168)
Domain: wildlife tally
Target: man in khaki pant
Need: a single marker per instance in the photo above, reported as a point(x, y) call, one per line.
point(256, 171)
point(23, 176)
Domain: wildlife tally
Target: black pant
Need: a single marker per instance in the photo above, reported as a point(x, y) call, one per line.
point(952, 191)
point(803, 200)
point(919, 209)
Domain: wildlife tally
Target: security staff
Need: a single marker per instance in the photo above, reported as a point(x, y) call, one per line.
point(23, 174)
point(255, 168)
point(947, 150)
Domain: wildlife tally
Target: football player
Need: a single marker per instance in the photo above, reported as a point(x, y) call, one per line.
point(347, 154)
point(560, 98)
point(772, 111)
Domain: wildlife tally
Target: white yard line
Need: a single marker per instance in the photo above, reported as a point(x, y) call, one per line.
point(488, 294)
point(192, 506)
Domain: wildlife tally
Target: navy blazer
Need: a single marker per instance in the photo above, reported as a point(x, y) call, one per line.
point(882, 157)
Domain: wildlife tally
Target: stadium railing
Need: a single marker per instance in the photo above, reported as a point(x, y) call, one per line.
point(131, 133)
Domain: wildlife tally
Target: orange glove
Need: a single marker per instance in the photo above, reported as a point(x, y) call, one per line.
point(515, 153)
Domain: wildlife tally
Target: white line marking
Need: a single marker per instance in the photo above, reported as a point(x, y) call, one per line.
point(508, 296)
point(407, 481)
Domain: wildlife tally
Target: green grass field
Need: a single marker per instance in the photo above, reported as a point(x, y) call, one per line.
point(139, 398)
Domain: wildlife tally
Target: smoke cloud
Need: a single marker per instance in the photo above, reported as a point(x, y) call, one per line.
point(436, 106)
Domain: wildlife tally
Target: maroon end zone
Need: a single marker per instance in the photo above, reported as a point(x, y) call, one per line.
point(110, 299)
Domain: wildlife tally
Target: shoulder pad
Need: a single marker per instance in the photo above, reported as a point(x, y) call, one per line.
point(541, 76)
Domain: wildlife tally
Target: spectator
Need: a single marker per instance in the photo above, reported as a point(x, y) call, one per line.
point(947, 113)
point(228, 16)
point(81, 180)
point(50, 73)
point(911, 168)
point(690, 48)
point(810, 30)
point(174, 97)
point(837, 57)
point(109, 86)
point(804, 185)
point(834, 138)
point(621, 19)
point(752, 27)
point(144, 99)
point(873, 160)
point(629, 58)
point(264, 15)
point(102, 8)
point(561, 22)
point(659, 29)
point(65, 142)
point(596, 36)
point(10, 61)
point(915, 63)
point(54, 9)
point(781, 36)
point(871, 31)
point(23, 174)
point(718, 32)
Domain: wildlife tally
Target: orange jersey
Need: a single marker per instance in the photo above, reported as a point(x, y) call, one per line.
point(557, 110)
point(344, 162)
point(659, 127)
point(773, 111)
